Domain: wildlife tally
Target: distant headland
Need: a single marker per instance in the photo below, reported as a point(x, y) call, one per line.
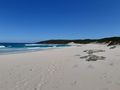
point(108, 40)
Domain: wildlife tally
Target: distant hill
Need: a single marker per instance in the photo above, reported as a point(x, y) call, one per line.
point(109, 41)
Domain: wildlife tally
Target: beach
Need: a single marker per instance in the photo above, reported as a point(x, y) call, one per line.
point(78, 67)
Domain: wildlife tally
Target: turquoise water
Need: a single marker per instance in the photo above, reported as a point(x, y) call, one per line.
point(6, 48)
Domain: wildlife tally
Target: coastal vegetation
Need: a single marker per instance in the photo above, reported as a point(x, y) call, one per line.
point(109, 41)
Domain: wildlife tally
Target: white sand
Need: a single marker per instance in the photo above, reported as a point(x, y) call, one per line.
point(61, 69)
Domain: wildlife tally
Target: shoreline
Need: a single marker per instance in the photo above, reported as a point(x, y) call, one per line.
point(28, 51)
point(62, 69)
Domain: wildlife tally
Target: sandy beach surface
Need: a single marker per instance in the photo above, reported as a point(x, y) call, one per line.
point(79, 67)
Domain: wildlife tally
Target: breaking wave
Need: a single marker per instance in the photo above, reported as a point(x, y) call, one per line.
point(1, 46)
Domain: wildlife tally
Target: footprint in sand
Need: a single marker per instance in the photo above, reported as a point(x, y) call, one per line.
point(35, 88)
point(111, 64)
point(52, 69)
point(74, 83)
point(118, 83)
point(105, 75)
point(21, 84)
point(106, 78)
point(30, 69)
point(109, 82)
point(75, 66)
point(41, 85)
point(91, 67)
point(77, 55)
point(104, 89)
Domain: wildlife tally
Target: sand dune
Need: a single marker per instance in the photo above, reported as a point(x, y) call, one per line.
point(62, 69)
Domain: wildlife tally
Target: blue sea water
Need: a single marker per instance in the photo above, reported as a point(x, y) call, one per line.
point(7, 48)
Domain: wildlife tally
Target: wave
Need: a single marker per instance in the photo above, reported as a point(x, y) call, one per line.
point(39, 45)
point(32, 45)
point(1, 46)
point(34, 48)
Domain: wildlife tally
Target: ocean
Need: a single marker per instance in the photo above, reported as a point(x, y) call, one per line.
point(8, 48)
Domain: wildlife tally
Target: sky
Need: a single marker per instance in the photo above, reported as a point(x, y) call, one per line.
point(36, 20)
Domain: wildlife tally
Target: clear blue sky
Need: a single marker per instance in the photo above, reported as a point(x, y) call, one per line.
point(34, 20)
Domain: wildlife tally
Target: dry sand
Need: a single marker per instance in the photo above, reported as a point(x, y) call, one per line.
point(61, 69)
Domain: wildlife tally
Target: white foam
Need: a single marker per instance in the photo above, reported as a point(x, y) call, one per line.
point(34, 48)
point(1, 46)
point(32, 44)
